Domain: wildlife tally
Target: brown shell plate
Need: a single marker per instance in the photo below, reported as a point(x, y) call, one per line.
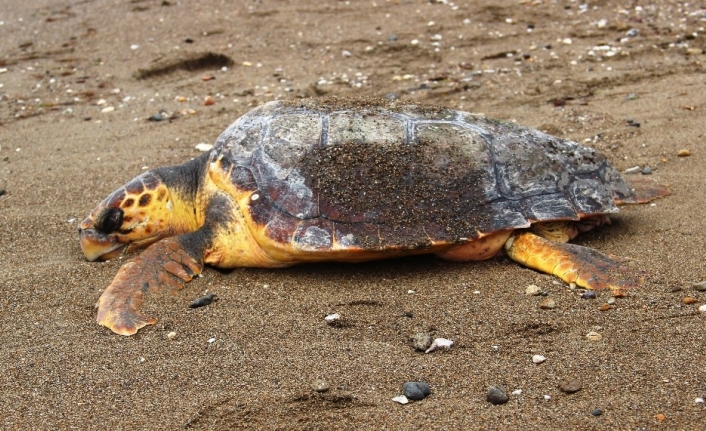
point(377, 174)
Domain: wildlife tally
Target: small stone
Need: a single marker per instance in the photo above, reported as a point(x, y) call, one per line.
point(703, 308)
point(533, 290)
point(208, 101)
point(421, 341)
point(633, 170)
point(570, 386)
point(594, 336)
point(611, 301)
point(547, 303)
point(689, 300)
point(698, 400)
point(440, 344)
point(203, 301)
point(319, 385)
point(496, 396)
point(676, 289)
point(589, 294)
point(204, 147)
point(683, 153)
point(159, 116)
point(108, 109)
point(400, 399)
point(605, 307)
point(660, 417)
point(416, 390)
point(538, 359)
point(332, 318)
point(700, 287)
point(172, 335)
point(596, 412)
point(647, 170)
point(619, 294)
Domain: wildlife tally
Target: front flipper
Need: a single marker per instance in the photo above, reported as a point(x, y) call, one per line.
point(572, 263)
point(162, 264)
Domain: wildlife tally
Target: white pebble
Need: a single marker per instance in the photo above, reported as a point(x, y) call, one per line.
point(134, 46)
point(538, 359)
point(332, 318)
point(108, 109)
point(101, 102)
point(211, 340)
point(703, 308)
point(698, 400)
point(532, 290)
point(204, 147)
point(547, 398)
point(517, 392)
point(594, 336)
point(440, 343)
point(400, 399)
point(171, 335)
point(345, 53)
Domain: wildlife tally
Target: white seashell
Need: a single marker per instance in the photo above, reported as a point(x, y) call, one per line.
point(517, 392)
point(332, 318)
point(204, 147)
point(538, 359)
point(400, 399)
point(440, 343)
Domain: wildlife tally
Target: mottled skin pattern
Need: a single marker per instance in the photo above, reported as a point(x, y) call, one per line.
point(355, 180)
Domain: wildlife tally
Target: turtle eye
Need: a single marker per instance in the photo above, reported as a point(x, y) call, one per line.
point(109, 220)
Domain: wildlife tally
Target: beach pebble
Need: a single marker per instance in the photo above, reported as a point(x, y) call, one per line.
point(332, 318)
point(689, 300)
point(596, 412)
point(647, 170)
point(633, 170)
point(208, 101)
point(676, 289)
point(203, 147)
point(703, 308)
point(203, 301)
point(416, 390)
point(594, 336)
point(701, 287)
point(440, 343)
point(611, 301)
point(589, 294)
point(660, 417)
point(533, 290)
point(547, 303)
point(172, 335)
point(108, 109)
point(683, 153)
point(496, 396)
point(319, 385)
point(421, 341)
point(538, 359)
point(570, 386)
point(605, 307)
point(401, 399)
point(698, 400)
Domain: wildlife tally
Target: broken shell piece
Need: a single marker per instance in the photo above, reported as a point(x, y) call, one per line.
point(400, 399)
point(440, 343)
point(332, 318)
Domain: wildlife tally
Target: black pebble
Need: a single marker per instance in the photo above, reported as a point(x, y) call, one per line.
point(496, 395)
point(597, 412)
point(203, 301)
point(189, 40)
point(2, 192)
point(416, 390)
point(589, 294)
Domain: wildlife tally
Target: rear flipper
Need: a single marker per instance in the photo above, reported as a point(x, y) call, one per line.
point(161, 265)
point(572, 263)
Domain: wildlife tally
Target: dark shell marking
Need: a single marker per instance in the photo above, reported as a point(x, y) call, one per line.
point(394, 175)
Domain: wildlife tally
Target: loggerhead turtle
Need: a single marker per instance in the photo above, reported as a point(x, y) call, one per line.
point(356, 180)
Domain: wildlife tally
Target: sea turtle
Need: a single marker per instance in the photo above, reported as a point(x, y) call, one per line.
point(356, 180)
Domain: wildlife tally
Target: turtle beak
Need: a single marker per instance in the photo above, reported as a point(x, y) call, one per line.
point(98, 246)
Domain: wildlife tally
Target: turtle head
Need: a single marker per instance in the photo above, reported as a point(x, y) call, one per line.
point(134, 216)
